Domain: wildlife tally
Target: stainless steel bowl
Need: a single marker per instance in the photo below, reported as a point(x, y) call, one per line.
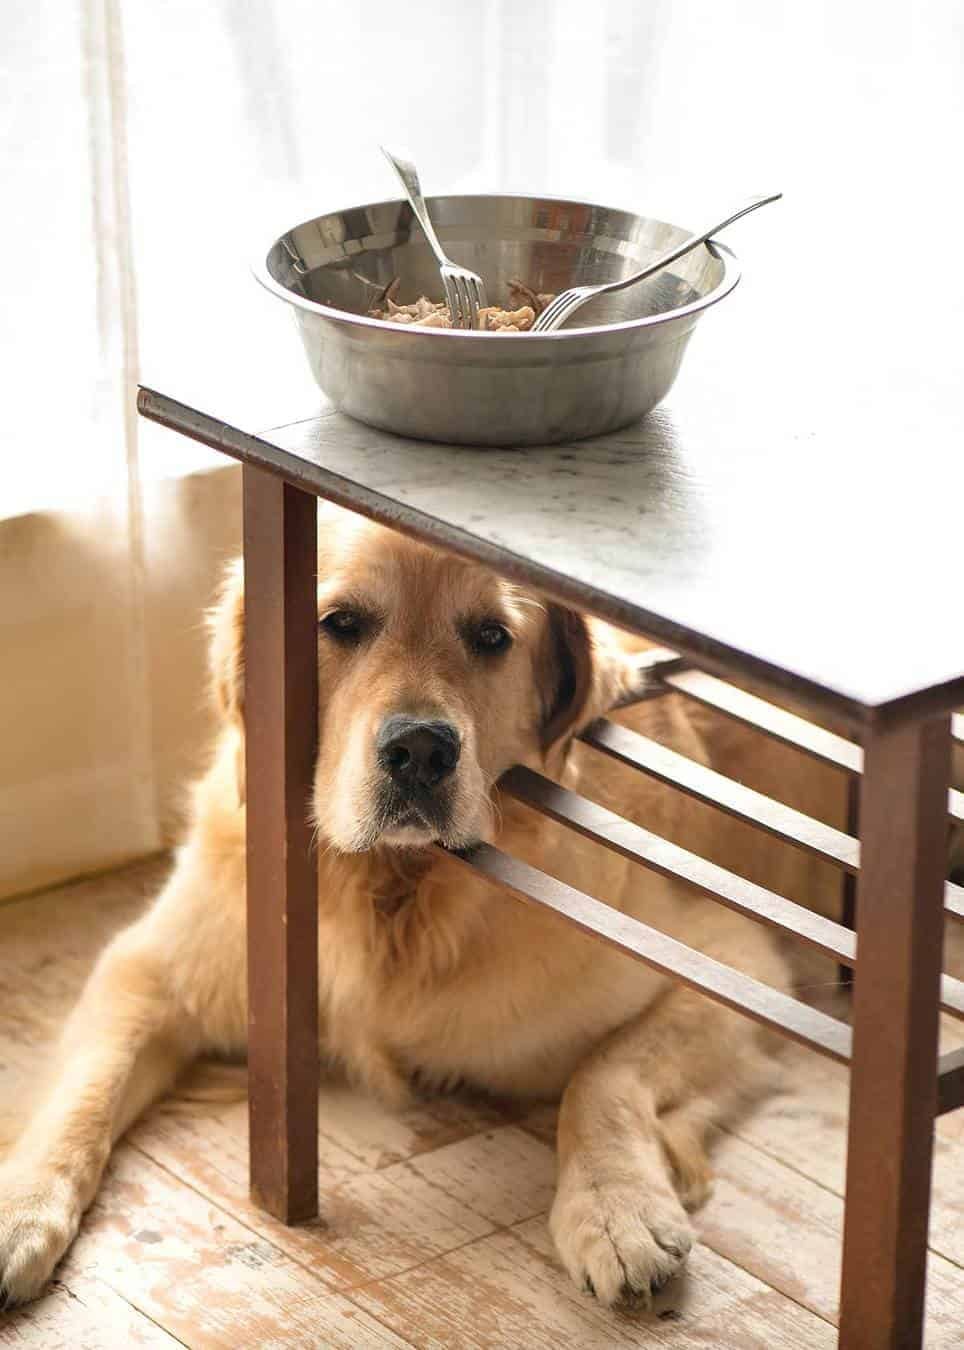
point(472, 388)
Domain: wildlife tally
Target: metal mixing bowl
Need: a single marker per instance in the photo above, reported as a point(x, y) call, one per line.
point(472, 388)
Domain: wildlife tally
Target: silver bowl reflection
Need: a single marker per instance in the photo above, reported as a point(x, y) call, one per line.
point(471, 388)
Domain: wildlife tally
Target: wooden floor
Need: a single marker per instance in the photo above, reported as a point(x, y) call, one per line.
point(434, 1230)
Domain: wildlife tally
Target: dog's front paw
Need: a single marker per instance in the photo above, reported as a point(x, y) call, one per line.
point(620, 1239)
point(39, 1216)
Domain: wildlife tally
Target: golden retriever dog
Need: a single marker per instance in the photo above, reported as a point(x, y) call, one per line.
point(435, 677)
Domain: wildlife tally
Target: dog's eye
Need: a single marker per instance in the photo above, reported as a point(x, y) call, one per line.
point(491, 637)
point(345, 624)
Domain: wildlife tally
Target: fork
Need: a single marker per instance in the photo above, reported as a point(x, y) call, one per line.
point(464, 291)
point(567, 302)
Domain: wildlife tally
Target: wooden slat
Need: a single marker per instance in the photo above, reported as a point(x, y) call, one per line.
point(650, 850)
point(670, 860)
point(952, 996)
point(663, 953)
point(957, 726)
point(782, 725)
point(954, 900)
point(950, 1081)
point(667, 766)
point(776, 722)
point(822, 745)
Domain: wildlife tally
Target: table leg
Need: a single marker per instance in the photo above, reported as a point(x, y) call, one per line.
point(281, 719)
point(893, 1092)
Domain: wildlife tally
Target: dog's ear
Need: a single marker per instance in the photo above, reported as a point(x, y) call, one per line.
point(564, 673)
point(583, 673)
point(226, 658)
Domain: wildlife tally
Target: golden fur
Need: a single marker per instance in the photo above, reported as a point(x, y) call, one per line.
point(426, 971)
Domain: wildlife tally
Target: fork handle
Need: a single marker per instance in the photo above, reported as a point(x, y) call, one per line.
point(689, 244)
point(413, 191)
point(557, 313)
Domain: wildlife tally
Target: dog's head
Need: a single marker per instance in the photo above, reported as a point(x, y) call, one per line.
point(435, 676)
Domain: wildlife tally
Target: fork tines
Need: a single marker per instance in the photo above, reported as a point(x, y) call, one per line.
point(465, 296)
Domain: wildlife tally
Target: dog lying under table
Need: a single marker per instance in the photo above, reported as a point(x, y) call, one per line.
point(435, 677)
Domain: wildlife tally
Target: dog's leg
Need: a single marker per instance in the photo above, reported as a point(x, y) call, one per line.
point(122, 1046)
point(632, 1134)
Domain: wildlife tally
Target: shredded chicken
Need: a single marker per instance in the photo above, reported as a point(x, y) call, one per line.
point(425, 313)
point(498, 320)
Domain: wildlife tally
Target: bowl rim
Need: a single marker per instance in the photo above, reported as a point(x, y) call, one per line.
point(732, 273)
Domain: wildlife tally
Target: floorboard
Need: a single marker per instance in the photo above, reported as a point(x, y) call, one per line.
point(434, 1229)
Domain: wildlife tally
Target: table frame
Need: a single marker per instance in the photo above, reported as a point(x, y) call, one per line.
point(902, 768)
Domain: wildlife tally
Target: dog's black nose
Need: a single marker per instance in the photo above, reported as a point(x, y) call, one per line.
point(416, 752)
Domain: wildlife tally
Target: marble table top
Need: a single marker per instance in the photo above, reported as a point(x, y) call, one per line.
point(817, 554)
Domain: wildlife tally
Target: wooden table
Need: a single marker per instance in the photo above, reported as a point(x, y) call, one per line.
point(788, 518)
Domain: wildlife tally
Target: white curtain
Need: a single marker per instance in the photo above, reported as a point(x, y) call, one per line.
point(77, 787)
point(103, 571)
